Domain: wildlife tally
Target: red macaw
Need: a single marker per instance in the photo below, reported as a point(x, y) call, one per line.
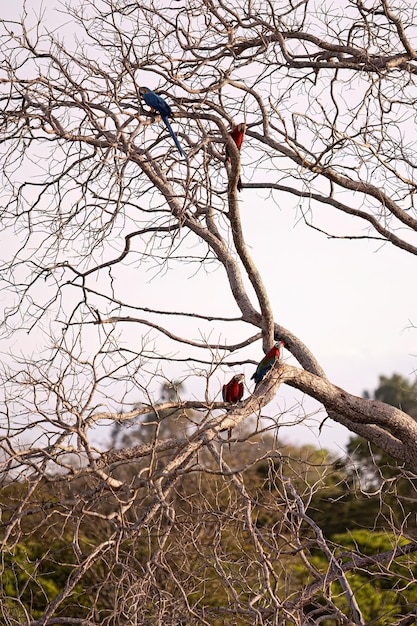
point(267, 362)
point(159, 105)
point(233, 392)
point(237, 135)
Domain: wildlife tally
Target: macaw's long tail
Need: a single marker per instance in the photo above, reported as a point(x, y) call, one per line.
point(174, 136)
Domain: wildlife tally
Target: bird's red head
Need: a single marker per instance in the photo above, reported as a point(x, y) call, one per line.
point(239, 378)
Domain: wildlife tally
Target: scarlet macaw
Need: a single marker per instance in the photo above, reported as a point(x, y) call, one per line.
point(233, 392)
point(267, 362)
point(159, 105)
point(237, 135)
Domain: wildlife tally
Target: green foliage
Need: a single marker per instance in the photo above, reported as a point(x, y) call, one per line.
point(339, 507)
point(400, 393)
point(384, 594)
point(210, 543)
point(395, 489)
point(34, 572)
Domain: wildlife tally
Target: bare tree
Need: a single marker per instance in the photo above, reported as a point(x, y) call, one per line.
point(98, 209)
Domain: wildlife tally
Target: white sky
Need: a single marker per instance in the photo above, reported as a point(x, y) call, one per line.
point(351, 302)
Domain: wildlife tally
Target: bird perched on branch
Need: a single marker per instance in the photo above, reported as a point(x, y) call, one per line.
point(159, 105)
point(237, 135)
point(267, 362)
point(233, 392)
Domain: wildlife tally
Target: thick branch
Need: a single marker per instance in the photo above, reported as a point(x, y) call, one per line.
point(395, 431)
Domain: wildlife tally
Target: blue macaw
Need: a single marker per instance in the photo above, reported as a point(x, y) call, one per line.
point(267, 362)
point(159, 105)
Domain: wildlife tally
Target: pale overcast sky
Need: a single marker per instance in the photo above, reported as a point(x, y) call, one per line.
point(352, 302)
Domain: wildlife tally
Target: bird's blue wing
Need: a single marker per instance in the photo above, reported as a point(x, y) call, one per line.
point(156, 102)
point(257, 375)
point(263, 368)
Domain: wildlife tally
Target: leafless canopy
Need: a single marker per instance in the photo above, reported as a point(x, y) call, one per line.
point(100, 215)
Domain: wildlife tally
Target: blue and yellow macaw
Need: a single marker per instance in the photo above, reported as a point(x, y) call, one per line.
point(267, 362)
point(159, 105)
